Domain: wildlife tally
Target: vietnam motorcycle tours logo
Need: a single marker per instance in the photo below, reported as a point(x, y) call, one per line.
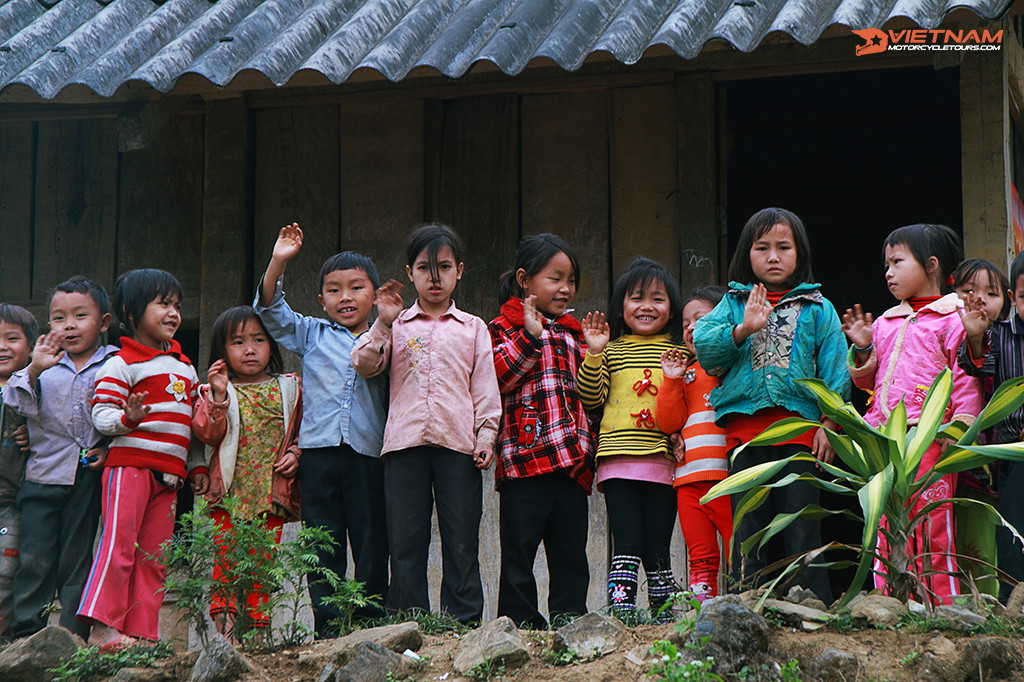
point(927, 40)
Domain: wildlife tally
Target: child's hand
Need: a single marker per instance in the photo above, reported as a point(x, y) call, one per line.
point(389, 301)
point(755, 314)
point(134, 410)
point(288, 465)
point(674, 363)
point(289, 243)
point(678, 447)
point(532, 319)
point(596, 332)
point(857, 326)
point(200, 483)
point(217, 375)
point(100, 454)
point(21, 438)
point(482, 458)
point(46, 353)
point(821, 448)
point(974, 318)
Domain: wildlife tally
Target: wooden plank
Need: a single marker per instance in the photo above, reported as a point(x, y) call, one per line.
point(75, 203)
point(644, 177)
point(985, 132)
point(382, 181)
point(162, 188)
point(140, 122)
point(479, 192)
point(17, 149)
point(698, 210)
point(565, 182)
point(225, 267)
point(297, 180)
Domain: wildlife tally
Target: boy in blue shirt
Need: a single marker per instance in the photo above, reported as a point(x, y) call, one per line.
point(341, 475)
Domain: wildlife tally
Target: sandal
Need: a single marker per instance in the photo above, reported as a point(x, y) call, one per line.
point(119, 644)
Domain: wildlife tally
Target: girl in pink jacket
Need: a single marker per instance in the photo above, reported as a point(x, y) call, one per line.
point(898, 357)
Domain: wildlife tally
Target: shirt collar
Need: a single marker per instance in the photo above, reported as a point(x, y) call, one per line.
point(415, 310)
point(132, 351)
point(103, 352)
point(944, 306)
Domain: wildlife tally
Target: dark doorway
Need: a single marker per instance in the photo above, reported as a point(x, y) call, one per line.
point(855, 155)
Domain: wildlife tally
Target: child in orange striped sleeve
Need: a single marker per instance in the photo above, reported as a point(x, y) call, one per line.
point(684, 410)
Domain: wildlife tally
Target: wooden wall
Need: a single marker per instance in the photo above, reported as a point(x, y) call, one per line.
point(205, 198)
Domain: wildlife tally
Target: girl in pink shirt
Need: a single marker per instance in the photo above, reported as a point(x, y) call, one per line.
point(442, 423)
point(898, 356)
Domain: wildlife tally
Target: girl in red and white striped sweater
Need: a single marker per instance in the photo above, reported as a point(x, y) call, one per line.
point(684, 408)
point(143, 399)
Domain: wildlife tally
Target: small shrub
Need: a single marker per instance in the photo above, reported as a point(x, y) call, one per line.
point(88, 663)
point(676, 665)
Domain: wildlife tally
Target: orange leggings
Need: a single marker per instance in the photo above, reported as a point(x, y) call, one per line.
point(702, 524)
point(257, 598)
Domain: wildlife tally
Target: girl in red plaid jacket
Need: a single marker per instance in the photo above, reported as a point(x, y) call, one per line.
point(546, 443)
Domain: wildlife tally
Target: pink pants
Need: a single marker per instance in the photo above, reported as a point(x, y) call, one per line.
point(125, 586)
point(932, 540)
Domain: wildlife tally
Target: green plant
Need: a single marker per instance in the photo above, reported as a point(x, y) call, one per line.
point(790, 671)
point(89, 664)
point(560, 658)
point(430, 622)
point(911, 659)
point(485, 670)
point(675, 665)
point(349, 595)
point(881, 467)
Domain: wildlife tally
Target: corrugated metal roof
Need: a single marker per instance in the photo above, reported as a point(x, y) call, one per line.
point(105, 45)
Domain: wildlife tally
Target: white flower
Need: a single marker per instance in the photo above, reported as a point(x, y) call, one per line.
point(177, 387)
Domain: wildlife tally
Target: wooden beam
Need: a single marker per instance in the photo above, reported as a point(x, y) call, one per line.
point(139, 122)
point(698, 206)
point(224, 269)
point(986, 157)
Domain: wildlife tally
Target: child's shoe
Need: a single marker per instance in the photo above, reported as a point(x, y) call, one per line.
point(622, 582)
point(704, 584)
point(660, 587)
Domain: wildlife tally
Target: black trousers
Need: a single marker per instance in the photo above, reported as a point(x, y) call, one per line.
point(58, 528)
point(1010, 481)
point(343, 491)
point(642, 516)
point(552, 509)
point(414, 480)
point(800, 536)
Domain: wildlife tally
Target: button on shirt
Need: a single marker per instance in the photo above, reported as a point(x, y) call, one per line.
point(443, 388)
point(339, 406)
point(58, 411)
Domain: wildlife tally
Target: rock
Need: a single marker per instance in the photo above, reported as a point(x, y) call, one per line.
point(917, 608)
point(833, 665)
point(219, 661)
point(878, 609)
point(795, 614)
point(810, 626)
point(856, 598)
point(398, 637)
point(814, 603)
point(732, 634)
point(591, 636)
point(987, 658)
point(371, 662)
point(937, 668)
point(27, 660)
point(497, 643)
point(959, 618)
point(142, 675)
point(940, 646)
point(327, 673)
point(1015, 602)
point(797, 595)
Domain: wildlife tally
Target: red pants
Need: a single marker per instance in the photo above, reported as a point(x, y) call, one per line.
point(257, 599)
point(701, 525)
point(932, 540)
point(125, 586)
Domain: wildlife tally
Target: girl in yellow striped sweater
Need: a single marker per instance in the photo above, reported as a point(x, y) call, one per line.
point(634, 458)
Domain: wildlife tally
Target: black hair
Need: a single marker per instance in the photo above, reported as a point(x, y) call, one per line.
point(19, 317)
point(740, 269)
point(431, 238)
point(82, 285)
point(972, 266)
point(135, 289)
point(925, 241)
point(533, 255)
point(709, 294)
point(229, 323)
point(1016, 269)
point(350, 260)
point(642, 273)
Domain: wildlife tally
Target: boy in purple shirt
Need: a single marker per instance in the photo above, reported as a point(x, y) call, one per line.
point(60, 498)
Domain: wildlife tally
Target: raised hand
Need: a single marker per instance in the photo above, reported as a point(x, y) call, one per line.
point(857, 326)
point(596, 332)
point(289, 243)
point(217, 375)
point(532, 319)
point(46, 353)
point(755, 314)
point(134, 410)
point(389, 301)
point(975, 322)
point(674, 363)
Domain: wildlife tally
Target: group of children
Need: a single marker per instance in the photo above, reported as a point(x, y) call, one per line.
point(398, 418)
